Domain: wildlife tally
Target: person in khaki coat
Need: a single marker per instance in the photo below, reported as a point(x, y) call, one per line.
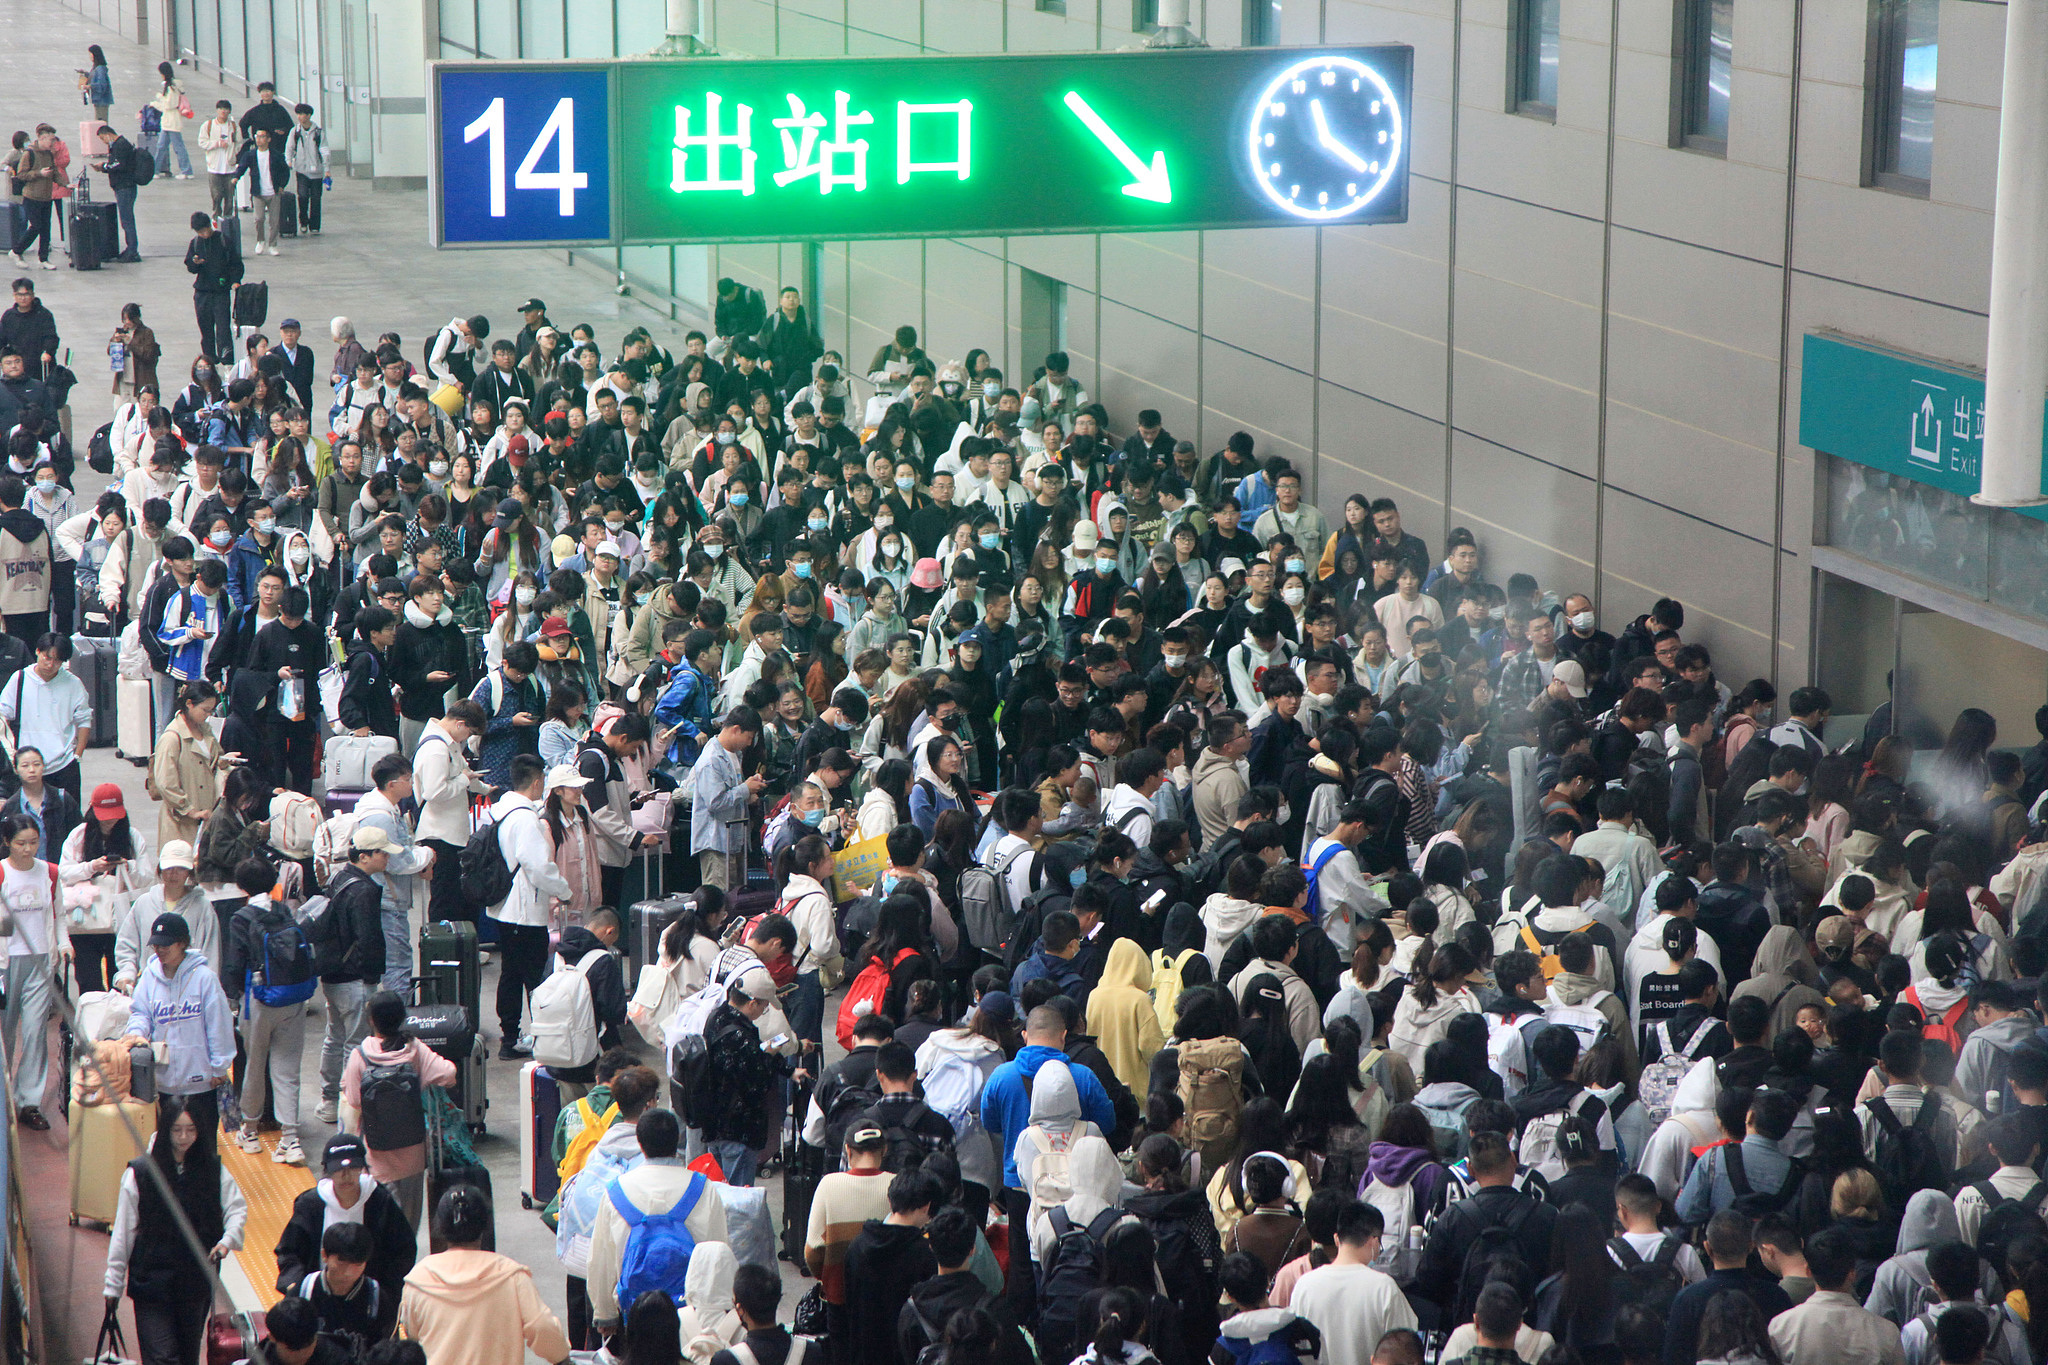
point(182, 774)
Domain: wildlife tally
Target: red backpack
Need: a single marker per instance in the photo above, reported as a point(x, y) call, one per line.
point(865, 996)
point(1941, 1027)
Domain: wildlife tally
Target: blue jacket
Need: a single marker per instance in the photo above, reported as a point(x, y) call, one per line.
point(1062, 972)
point(1006, 1101)
point(184, 610)
point(225, 429)
point(246, 562)
point(686, 700)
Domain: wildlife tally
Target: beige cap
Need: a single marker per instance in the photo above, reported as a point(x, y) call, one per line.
point(177, 853)
point(1086, 536)
point(757, 984)
point(370, 839)
point(562, 775)
point(1572, 674)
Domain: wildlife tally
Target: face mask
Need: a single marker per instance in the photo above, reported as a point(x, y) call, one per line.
point(263, 527)
point(812, 817)
point(889, 883)
point(990, 541)
point(1297, 566)
point(906, 483)
point(1293, 594)
point(614, 528)
point(991, 390)
point(46, 486)
point(1286, 813)
point(300, 555)
point(1174, 660)
point(843, 726)
point(884, 523)
point(524, 596)
point(714, 550)
point(438, 468)
point(220, 540)
point(800, 570)
point(1077, 876)
point(815, 523)
point(738, 500)
point(641, 599)
point(1583, 621)
point(892, 548)
point(1104, 566)
point(726, 438)
point(1496, 613)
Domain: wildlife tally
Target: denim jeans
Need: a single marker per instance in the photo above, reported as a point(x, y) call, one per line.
point(164, 143)
point(347, 1026)
point(124, 205)
point(736, 1159)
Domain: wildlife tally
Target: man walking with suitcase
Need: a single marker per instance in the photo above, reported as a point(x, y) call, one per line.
point(215, 269)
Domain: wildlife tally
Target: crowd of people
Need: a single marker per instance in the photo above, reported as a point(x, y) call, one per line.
point(1289, 941)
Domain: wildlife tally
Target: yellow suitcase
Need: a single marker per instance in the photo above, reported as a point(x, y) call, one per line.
point(101, 1149)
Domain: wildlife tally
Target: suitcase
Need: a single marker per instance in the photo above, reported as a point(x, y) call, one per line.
point(95, 659)
point(287, 214)
point(442, 1176)
point(349, 758)
point(449, 966)
point(339, 801)
point(540, 1104)
point(803, 1166)
point(450, 1030)
point(252, 303)
point(230, 227)
point(88, 234)
point(134, 720)
point(650, 919)
point(100, 1150)
point(234, 1336)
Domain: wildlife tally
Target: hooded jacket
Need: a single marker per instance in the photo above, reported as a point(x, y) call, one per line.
point(478, 1308)
point(1981, 1064)
point(1122, 1016)
point(1645, 954)
point(1667, 1157)
point(393, 1244)
point(1903, 1285)
point(190, 1014)
point(707, 1320)
point(1014, 1099)
point(1783, 976)
point(971, 1142)
point(1733, 916)
point(937, 1299)
point(1570, 988)
point(1417, 1025)
point(575, 1207)
point(1219, 785)
point(426, 644)
point(1304, 1013)
point(1224, 917)
point(1098, 1182)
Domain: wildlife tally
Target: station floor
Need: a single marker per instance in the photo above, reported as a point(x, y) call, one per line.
point(373, 265)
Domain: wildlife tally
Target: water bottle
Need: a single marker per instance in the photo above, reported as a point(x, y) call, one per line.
point(1415, 1237)
point(1992, 1100)
point(142, 1073)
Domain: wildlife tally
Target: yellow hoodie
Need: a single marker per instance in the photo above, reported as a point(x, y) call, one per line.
point(478, 1308)
point(1122, 1017)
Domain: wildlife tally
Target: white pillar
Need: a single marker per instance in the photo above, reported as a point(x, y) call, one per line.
point(1173, 26)
point(684, 17)
point(2016, 371)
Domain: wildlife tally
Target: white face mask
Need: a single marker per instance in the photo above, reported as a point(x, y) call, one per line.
point(300, 556)
point(524, 596)
point(1285, 813)
point(884, 523)
point(1174, 660)
point(1583, 621)
point(438, 468)
point(1293, 594)
point(714, 550)
point(220, 539)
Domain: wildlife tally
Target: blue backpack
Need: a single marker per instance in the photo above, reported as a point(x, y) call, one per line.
point(1274, 1349)
point(658, 1246)
point(1314, 871)
point(289, 974)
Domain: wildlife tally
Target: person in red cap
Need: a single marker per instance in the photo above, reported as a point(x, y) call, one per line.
point(106, 866)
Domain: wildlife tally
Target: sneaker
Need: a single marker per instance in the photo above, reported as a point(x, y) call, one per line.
point(32, 1117)
point(512, 1052)
point(327, 1111)
point(288, 1153)
point(273, 248)
point(246, 1139)
point(16, 257)
point(50, 265)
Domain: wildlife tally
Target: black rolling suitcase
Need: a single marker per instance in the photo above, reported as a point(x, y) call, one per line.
point(89, 236)
point(94, 659)
point(287, 214)
point(449, 966)
point(803, 1166)
point(444, 1172)
point(451, 1031)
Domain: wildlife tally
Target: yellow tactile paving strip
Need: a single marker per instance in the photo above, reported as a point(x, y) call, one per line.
point(270, 1189)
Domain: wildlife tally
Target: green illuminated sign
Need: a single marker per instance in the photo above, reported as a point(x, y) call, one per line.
point(730, 150)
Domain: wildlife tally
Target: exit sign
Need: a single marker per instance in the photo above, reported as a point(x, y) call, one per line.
point(721, 150)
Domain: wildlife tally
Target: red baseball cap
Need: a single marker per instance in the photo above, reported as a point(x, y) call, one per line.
point(107, 803)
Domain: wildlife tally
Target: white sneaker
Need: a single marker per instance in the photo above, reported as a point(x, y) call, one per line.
point(327, 1111)
point(288, 1153)
point(273, 248)
point(50, 265)
point(248, 1141)
point(16, 257)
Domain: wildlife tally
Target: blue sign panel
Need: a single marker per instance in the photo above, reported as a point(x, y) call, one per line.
point(1894, 412)
point(525, 155)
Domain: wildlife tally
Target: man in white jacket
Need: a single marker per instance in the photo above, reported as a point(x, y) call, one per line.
point(657, 1185)
point(1341, 892)
point(1619, 845)
point(536, 883)
point(379, 809)
point(442, 783)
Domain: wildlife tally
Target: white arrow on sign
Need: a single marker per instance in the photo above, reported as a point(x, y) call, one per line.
point(1147, 182)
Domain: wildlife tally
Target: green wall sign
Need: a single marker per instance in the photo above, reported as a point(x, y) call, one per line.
point(729, 150)
point(1893, 412)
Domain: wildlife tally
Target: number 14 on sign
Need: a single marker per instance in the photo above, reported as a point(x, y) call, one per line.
point(560, 129)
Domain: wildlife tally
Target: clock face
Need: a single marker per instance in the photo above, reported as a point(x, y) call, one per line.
point(1324, 138)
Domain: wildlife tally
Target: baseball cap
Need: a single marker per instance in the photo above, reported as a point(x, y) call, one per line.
point(1230, 567)
point(106, 802)
point(1030, 647)
point(370, 839)
point(998, 1006)
point(610, 547)
point(867, 1138)
point(531, 305)
point(756, 984)
point(169, 928)
point(344, 1150)
point(563, 775)
point(508, 510)
point(1086, 536)
point(562, 547)
point(289, 322)
point(177, 853)
point(554, 628)
point(1572, 674)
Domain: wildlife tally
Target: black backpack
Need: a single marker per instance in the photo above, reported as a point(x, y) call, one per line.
point(141, 166)
point(1654, 1283)
point(1909, 1156)
point(486, 876)
point(1073, 1267)
point(848, 1104)
point(2008, 1220)
point(906, 1149)
point(1752, 1202)
point(99, 451)
point(1496, 1239)
point(393, 1115)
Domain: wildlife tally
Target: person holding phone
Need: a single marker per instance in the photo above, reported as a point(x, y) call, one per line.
point(104, 866)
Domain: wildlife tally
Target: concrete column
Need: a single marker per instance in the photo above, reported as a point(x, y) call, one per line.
point(2017, 364)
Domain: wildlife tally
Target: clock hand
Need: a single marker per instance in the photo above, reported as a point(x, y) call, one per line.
point(1323, 135)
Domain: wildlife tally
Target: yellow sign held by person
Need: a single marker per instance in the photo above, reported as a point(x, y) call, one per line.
point(858, 866)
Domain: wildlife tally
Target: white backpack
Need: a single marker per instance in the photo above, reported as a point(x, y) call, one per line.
point(1396, 1204)
point(1538, 1148)
point(565, 1017)
point(1050, 1178)
point(294, 822)
point(953, 1088)
point(1660, 1079)
point(330, 846)
point(1584, 1019)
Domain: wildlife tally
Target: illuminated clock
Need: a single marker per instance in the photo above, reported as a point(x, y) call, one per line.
point(1324, 138)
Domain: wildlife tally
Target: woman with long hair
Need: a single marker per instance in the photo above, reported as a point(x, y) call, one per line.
point(1130, 1262)
point(1860, 1213)
point(235, 828)
point(1837, 1149)
point(954, 1066)
point(654, 1334)
point(951, 852)
point(1438, 991)
point(1446, 878)
point(148, 1257)
point(902, 942)
point(1578, 1302)
point(104, 865)
point(688, 952)
point(941, 783)
point(1749, 715)
point(575, 842)
point(1261, 1127)
point(887, 803)
point(1266, 1036)
point(1323, 1130)
point(1732, 1332)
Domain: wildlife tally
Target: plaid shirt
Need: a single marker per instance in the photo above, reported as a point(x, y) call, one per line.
point(1521, 681)
point(1421, 793)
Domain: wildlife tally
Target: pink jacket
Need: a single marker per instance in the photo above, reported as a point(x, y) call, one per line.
point(434, 1069)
